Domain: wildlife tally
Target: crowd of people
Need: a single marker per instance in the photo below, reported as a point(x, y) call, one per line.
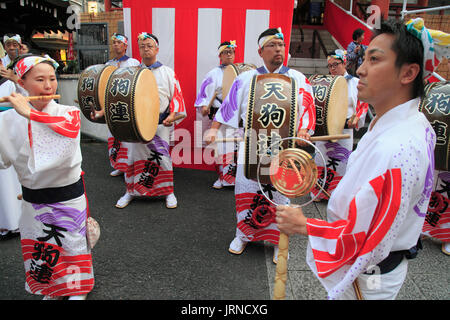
point(375, 213)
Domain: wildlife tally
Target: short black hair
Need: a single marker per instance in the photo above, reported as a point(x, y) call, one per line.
point(268, 32)
point(154, 37)
point(357, 33)
point(408, 48)
point(225, 43)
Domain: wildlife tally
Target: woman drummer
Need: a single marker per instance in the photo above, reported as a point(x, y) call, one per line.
point(41, 140)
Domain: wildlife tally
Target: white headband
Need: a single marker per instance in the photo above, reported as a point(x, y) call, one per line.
point(15, 38)
point(266, 39)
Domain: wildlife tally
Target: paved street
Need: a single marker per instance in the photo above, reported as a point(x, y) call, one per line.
point(149, 252)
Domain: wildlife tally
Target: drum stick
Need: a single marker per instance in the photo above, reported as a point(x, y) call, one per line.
point(178, 117)
point(228, 140)
point(313, 138)
point(34, 98)
point(323, 190)
point(211, 102)
point(330, 137)
point(279, 290)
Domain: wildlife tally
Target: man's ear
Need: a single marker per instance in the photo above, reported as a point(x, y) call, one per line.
point(408, 73)
point(260, 52)
point(21, 82)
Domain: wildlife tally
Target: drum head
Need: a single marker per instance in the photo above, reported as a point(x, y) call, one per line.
point(146, 101)
point(337, 106)
point(102, 83)
point(232, 71)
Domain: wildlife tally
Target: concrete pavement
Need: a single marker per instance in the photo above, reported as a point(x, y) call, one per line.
point(149, 252)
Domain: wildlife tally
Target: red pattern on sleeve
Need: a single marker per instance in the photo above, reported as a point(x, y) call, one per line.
point(350, 244)
point(65, 127)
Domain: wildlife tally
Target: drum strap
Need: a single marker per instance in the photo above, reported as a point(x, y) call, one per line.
point(2, 80)
point(157, 64)
point(163, 116)
point(283, 70)
point(123, 58)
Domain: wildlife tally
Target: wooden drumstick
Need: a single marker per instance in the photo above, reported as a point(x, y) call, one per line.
point(323, 190)
point(312, 139)
point(330, 137)
point(178, 117)
point(34, 98)
point(279, 291)
point(228, 140)
point(210, 103)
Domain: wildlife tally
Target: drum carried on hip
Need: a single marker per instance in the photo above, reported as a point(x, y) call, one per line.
point(331, 101)
point(132, 104)
point(232, 71)
point(271, 116)
point(91, 89)
point(435, 104)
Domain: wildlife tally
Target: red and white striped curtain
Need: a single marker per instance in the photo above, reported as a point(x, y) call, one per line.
point(189, 33)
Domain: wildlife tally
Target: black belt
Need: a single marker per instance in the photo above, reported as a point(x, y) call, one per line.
point(53, 195)
point(395, 258)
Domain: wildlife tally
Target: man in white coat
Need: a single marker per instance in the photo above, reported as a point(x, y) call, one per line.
point(376, 213)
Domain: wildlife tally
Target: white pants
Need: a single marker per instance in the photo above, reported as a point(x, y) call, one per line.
point(379, 286)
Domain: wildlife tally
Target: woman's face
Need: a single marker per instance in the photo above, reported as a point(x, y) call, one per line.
point(40, 81)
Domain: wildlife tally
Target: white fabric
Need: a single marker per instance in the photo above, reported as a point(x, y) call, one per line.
point(389, 152)
point(130, 62)
point(379, 286)
point(163, 26)
point(41, 166)
point(208, 38)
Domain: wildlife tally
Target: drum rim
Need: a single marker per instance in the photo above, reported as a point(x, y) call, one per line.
point(95, 93)
point(249, 116)
point(327, 98)
point(428, 87)
point(131, 112)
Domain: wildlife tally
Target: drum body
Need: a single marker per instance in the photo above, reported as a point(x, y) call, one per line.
point(435, 104)
point(271, 116)
point(331, 101)
point(91, 89)
point(232, 71)
point(132, 104)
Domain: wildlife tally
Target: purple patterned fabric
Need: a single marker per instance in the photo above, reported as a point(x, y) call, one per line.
point(159, 145)
point(202, 93)
point(230, 104)
point(58, 214)
point(420, 208)
point(337, 151)
point(444, 176)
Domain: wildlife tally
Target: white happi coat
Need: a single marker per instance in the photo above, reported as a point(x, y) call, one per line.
point(380, 204)
point(247, 192)
point(118, 150)
point(336, 154)
point(149, 165)
point(226, 152)
point(45, 152)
